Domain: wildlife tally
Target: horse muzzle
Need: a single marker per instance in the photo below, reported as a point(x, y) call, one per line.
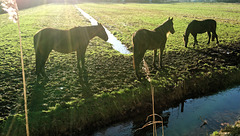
point(106, 38)
point(172, 32)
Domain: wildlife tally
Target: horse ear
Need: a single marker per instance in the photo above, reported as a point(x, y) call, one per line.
point(99, 24)
point(172, 19)
point(168, 18)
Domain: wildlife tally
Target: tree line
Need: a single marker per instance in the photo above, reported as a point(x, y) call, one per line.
point(22, 4)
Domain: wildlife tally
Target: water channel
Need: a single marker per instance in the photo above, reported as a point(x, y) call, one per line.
point(186, 120)
point(116, 44)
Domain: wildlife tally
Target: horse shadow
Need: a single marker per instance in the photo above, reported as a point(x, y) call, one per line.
point(40, 91)
point(37, 96)
point(227, 54)
point(86, 86)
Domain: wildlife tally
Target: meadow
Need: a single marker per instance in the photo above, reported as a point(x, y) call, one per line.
point(64, 105)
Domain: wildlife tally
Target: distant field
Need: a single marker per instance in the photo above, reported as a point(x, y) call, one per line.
point(63, 105)
point(124, 19)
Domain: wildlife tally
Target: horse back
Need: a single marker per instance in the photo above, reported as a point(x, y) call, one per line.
point(64, 41)
point(148, 39)
point(212, 24)
point(202, 26)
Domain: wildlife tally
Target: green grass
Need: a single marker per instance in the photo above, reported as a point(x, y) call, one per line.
point(63, 104)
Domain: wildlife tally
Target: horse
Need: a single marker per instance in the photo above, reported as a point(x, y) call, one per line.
point(144, 39)
point(65, 41)
point(195, 27)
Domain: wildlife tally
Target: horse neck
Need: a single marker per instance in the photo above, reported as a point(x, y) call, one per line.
point(187, 32)
point(162, 28)
point(91, 31)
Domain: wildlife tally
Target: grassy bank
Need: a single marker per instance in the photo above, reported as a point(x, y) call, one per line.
point(64, 105)
point(232, 130)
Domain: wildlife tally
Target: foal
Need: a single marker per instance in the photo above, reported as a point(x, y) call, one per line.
point(145, 39)
point(195, 27)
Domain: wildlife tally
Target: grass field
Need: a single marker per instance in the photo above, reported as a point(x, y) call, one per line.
point(65, 106)
point(124, 19)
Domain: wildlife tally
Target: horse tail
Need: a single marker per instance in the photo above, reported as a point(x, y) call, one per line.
point(214, 27)
point(35, 42)
point(133, 55)
point(36, 39)
point(134, 50)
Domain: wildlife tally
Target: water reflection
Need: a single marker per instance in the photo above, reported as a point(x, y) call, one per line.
point(182, 106)
point(116, 44)
point(188, 118)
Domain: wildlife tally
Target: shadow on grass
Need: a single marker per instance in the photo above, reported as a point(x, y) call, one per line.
point(37, 96)
point(228, 54)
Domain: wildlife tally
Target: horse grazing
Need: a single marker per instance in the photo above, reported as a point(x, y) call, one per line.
point(195, 27)
point(65, 41)
point(145, 39)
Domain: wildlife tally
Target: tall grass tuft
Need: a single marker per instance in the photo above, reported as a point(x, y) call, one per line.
point(11, 7)
point(153, 122)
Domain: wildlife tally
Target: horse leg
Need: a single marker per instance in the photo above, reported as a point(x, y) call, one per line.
point(195, 39)
point(82, 56)
point(137, 70)
point(138, 61)
point(154, 58)
point(209, 37)
point(215, 36)
point(138, 56)
point(43, 62)
point(160, 57)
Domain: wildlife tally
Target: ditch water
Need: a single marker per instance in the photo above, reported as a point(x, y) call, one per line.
point(116, 44)
point(186, 120)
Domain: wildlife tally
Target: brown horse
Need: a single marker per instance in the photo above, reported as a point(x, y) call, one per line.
point(64, 41)
point(145, 39)
point(195, 27)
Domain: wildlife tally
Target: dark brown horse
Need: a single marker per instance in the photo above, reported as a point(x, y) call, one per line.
point(64, 41)
point(195, 27)
point(145, 39)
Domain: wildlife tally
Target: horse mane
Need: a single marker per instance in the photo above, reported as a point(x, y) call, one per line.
point(160, 27)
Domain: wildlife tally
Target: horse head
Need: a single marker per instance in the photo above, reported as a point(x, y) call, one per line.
point(170, 24)
point(101, 32)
